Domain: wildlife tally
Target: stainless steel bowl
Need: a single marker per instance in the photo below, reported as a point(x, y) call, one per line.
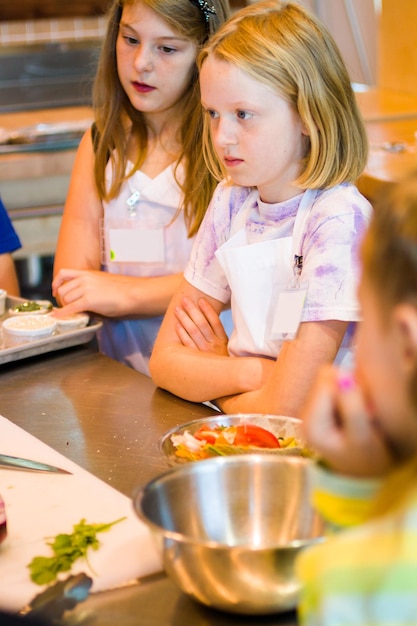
point(230, 529)
point(281, 426)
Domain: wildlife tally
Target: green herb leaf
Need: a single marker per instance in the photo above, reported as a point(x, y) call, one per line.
point(66, 550)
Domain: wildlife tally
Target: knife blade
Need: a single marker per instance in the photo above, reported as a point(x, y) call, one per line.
point(16, 462)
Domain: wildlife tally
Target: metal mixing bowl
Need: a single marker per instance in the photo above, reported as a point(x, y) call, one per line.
point(230, 528)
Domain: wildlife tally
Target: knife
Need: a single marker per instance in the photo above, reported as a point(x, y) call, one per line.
point(27, 464)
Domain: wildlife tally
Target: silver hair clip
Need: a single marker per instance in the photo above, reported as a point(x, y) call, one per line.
point(206, 8)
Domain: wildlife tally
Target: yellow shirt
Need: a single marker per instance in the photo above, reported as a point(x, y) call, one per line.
point(366, 574)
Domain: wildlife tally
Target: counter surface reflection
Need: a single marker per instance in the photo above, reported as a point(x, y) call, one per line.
point(109, 419)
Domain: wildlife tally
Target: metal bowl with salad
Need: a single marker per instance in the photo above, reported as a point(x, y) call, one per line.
point(226, 435)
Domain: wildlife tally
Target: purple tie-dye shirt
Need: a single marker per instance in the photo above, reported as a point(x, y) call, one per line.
point(330, 246)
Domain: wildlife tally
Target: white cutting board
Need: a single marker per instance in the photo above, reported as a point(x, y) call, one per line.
point(40, 506)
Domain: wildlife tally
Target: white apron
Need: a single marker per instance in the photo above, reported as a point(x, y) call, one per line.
point(256, 273)
point(141, 238)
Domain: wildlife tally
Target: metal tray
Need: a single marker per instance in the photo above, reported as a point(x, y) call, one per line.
point(58, 341)
point(56, 136)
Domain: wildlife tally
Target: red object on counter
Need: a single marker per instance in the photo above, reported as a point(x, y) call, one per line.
point(3, 523)
point(245, 435)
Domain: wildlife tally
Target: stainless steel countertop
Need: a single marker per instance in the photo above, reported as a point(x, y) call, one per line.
point(108, 419)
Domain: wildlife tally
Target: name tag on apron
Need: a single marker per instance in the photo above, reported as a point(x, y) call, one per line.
point(144, 245)
point(288, 311)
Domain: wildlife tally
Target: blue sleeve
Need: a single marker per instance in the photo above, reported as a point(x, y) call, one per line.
point(9, 239)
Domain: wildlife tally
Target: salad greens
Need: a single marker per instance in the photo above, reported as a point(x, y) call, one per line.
point(67, 548)
point(32, 305)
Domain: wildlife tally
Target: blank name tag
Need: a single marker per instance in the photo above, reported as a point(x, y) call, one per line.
point(288, 312)
point(137, 246)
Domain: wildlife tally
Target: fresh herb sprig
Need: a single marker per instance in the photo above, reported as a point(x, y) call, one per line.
point(67, 549)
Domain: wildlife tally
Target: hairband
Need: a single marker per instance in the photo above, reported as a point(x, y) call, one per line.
point(206, 8)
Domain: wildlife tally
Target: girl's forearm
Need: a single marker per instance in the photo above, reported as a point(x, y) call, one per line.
point(285, 391)
point(114, 295)
point(198, 376)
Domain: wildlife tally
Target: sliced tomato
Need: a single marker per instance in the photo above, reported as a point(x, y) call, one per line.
point(205, 433)
point(252, 435)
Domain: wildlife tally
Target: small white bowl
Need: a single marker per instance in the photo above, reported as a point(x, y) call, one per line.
point(3, 296)
point(72, 322)
point(22, 329)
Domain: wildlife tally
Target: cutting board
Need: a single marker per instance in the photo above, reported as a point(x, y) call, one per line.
point(40, 506)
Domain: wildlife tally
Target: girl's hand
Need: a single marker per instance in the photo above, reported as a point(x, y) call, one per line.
point(199, 327)
point(88, 290)
point(340, 428)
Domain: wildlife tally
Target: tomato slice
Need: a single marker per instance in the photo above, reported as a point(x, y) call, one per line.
point(250, 434)
point(205, 433)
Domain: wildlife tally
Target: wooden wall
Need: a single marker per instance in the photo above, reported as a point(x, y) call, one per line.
point(46, 9)
point(398, 46)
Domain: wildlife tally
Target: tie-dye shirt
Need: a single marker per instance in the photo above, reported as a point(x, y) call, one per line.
point(330, 247)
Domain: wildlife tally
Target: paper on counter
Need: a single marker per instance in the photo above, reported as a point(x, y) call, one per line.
point(40, 506)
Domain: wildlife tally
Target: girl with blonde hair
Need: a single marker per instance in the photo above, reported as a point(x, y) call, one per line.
point(279, 241)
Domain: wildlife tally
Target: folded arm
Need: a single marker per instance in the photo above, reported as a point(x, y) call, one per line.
point(190, 360)
point(195, 374)
point(286, 388)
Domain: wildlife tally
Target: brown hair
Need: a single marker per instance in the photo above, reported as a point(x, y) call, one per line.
point(389, 250)
point(282, 45)
point(114, 114)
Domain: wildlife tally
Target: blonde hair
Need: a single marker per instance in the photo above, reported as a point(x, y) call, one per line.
point(115, 115)
point(282, 45)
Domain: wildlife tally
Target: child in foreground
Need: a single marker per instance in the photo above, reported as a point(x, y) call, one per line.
point(279, 242)
point(364, 427)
